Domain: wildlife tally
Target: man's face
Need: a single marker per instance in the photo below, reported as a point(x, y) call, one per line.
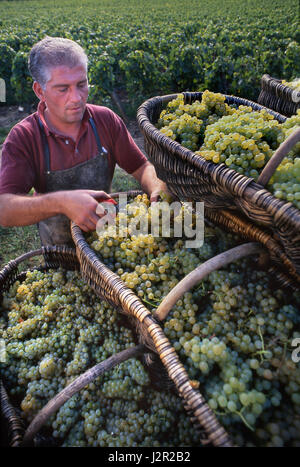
point(66, 94)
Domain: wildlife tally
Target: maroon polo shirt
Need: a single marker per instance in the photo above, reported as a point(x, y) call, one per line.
point(23, 164)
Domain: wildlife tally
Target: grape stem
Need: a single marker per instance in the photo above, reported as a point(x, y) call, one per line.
point(79, 383)
point(201, 272)
point(239, 413)
point(148, 303)
point(261, 352)
point(277, 157)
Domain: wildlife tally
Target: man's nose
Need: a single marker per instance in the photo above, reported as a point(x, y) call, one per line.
point(75, 95)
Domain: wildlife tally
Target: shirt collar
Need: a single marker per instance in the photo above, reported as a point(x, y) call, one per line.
point(41, 109)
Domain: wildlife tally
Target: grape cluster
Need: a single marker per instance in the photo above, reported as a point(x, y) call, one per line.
point(241, 138)
point(186, 123)
point(295, 84)
point(243, 141)
point(289, 126)
point(241, 343)
point(286, 182)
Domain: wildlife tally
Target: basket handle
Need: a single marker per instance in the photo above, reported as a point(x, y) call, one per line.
point(277, 157)
point(76, 385)
point(28, 255)
point(41, 251)
point(202, 271)
point(130, 193)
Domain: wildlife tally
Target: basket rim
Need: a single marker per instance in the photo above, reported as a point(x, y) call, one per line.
point(276, 84)
point(10, 271)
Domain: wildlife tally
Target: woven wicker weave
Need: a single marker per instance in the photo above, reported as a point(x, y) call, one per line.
point(14, 429)
point(278, 96)
point(190, 177)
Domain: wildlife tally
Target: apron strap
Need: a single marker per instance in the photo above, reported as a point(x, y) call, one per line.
point(46, 145)
point(100, 148)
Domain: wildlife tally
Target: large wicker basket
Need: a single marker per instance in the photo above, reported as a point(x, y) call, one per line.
point(231, 200)
point(278, 96)
point(109, 286)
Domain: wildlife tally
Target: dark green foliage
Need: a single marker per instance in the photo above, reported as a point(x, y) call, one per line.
point(147, 48)
point(21, 81)
point(7, 55)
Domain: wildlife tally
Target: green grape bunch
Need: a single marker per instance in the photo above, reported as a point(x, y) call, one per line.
point(186, 123)
point(238, 136)
point(294, 84)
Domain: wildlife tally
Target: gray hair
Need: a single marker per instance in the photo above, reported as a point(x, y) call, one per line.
point(51, 52)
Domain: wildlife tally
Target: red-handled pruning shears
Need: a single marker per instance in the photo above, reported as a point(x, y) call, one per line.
point(103, 201)
point(109, 200)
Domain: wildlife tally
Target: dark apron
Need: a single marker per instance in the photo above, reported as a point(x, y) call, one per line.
point(92, 175)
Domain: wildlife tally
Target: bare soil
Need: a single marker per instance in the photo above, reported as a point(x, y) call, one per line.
point(11, 115)
point(135, 132)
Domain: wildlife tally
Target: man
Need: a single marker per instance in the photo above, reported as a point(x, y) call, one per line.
point(67, 150)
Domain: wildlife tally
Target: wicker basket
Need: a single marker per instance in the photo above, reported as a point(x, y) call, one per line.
point(231, 200)
point(110, 287)
point(278, 97)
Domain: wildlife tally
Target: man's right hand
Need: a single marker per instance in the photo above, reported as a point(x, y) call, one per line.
point(80, 206)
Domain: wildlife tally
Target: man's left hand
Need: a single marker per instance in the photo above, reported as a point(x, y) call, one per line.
point(146, 176)
point(160, 194)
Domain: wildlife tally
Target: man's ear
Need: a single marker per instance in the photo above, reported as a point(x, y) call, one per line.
point(38, 90)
